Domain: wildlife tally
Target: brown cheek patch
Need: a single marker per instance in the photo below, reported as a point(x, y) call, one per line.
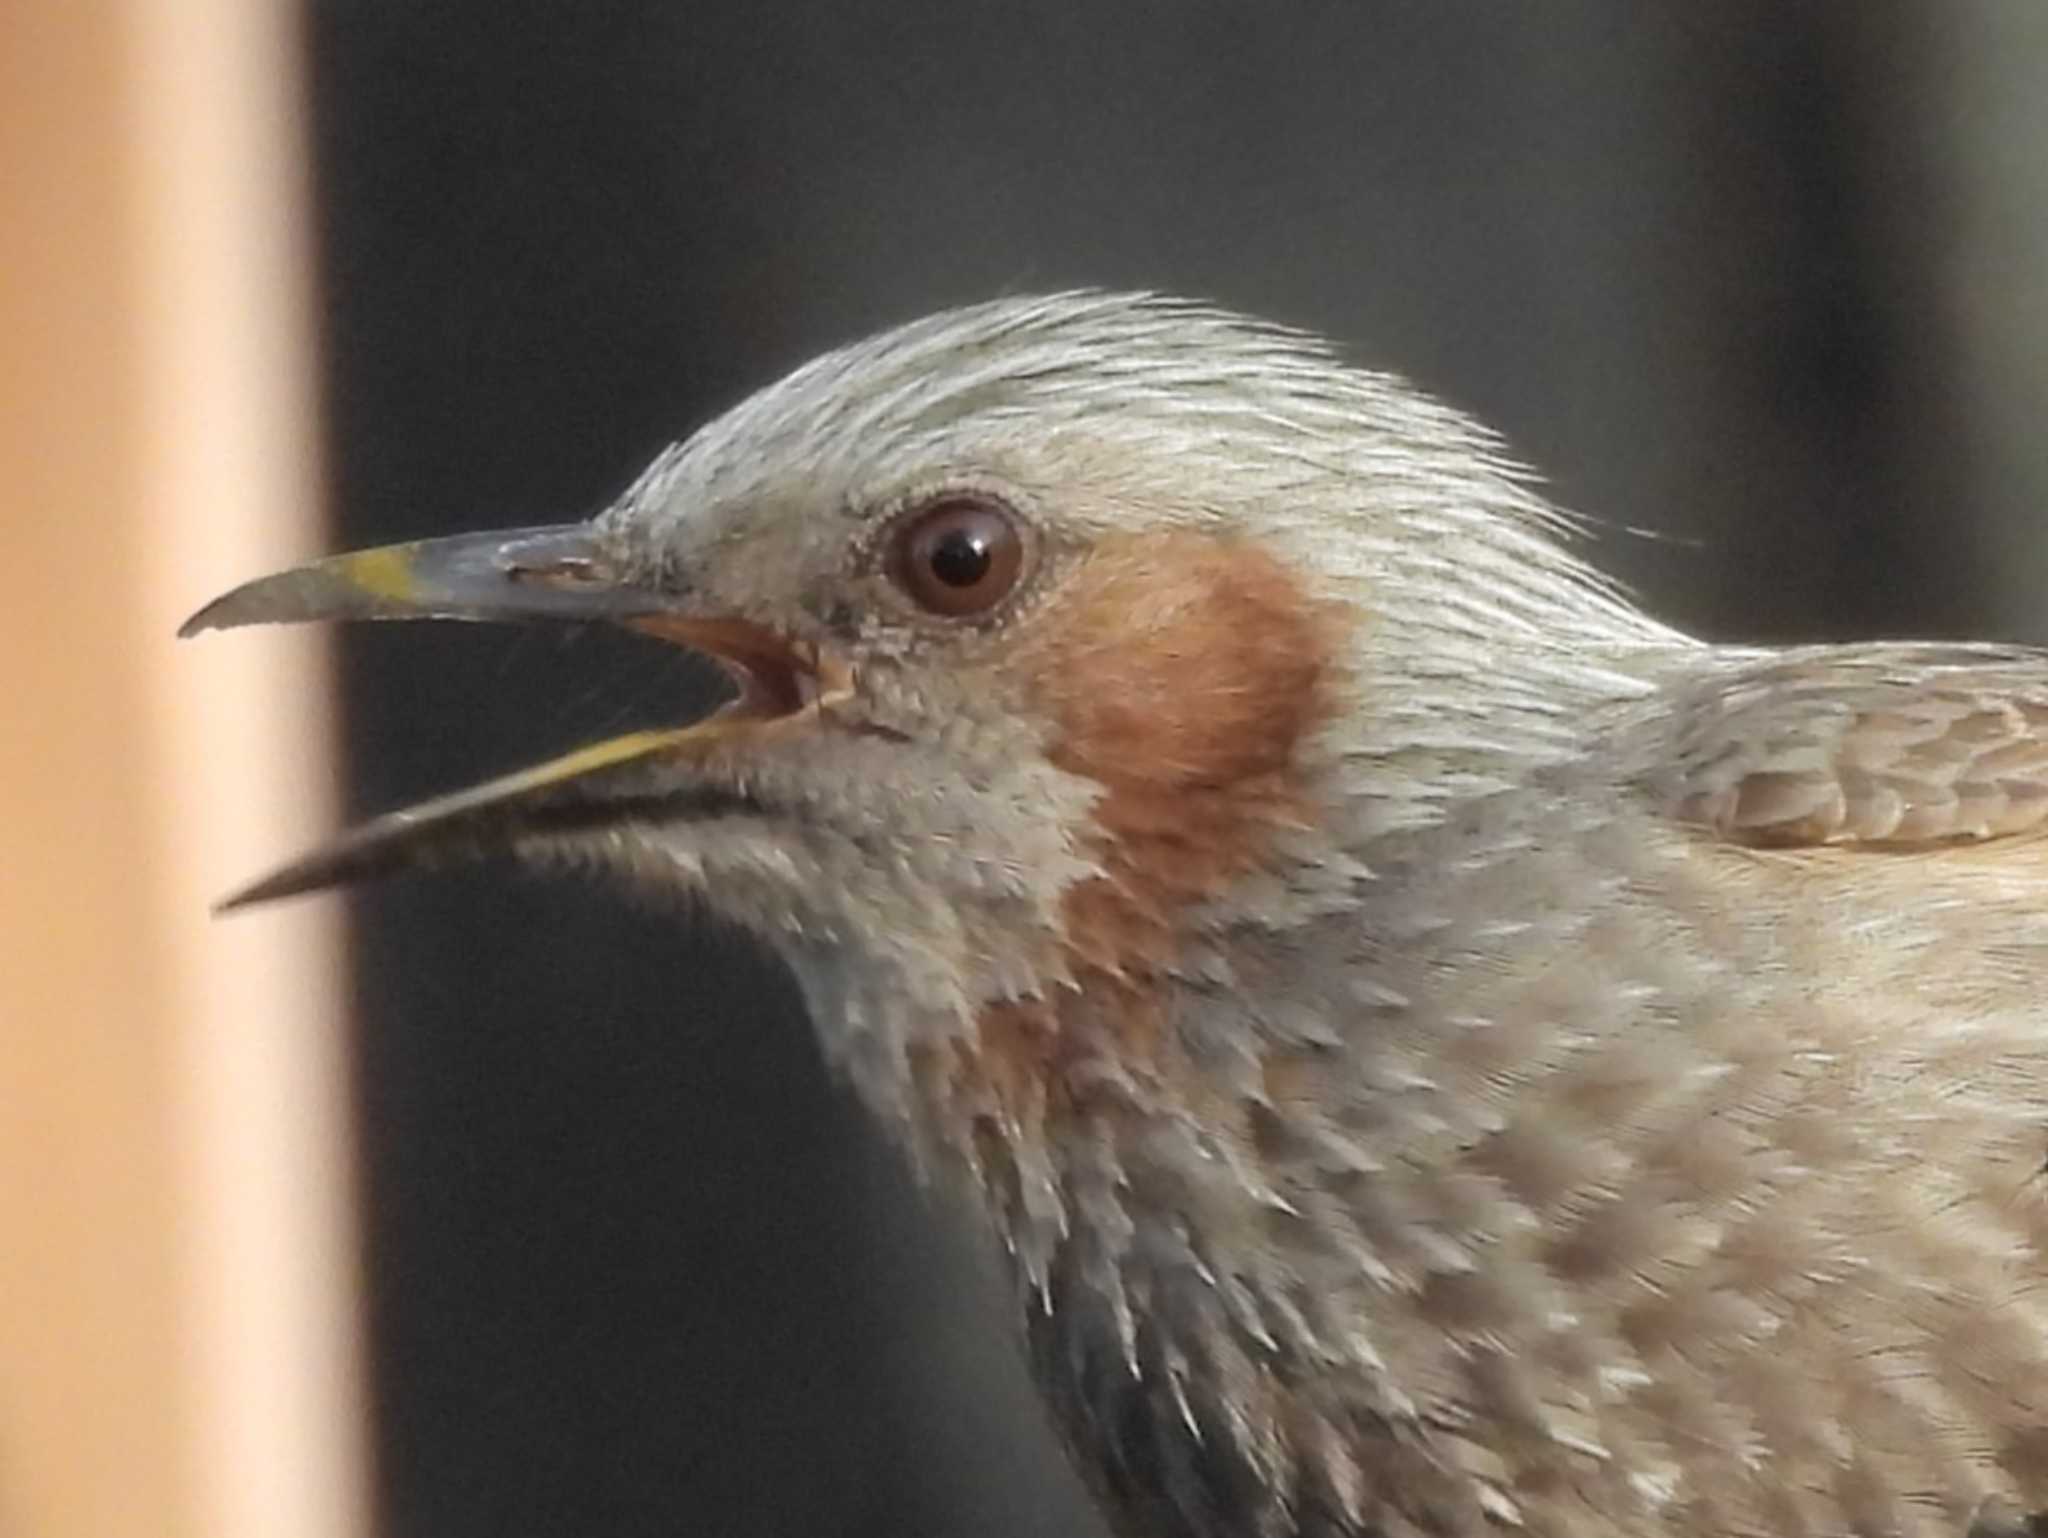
point(1177, 663)
point(1182, 673)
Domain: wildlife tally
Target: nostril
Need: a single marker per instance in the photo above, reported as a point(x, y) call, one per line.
point(564, 571)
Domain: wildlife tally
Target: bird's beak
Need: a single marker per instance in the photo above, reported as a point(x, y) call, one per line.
point(525, 574)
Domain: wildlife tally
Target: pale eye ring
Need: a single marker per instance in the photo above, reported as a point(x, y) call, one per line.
point(959, 555)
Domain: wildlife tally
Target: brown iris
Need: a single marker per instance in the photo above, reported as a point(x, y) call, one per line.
point(959, 556)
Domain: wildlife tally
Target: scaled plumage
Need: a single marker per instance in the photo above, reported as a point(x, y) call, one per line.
point(1447, 1053)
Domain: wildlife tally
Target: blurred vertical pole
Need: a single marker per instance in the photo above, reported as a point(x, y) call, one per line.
point(177, 1316)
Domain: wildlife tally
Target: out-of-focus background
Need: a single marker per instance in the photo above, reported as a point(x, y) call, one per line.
point(1763, 288)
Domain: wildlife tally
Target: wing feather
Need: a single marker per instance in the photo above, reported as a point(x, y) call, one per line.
point(1895, 747)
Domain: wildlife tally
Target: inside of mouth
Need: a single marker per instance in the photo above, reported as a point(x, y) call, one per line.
point(768, 687)
point(774, 676)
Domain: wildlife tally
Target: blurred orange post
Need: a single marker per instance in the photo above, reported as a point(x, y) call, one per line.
point(177, 1314)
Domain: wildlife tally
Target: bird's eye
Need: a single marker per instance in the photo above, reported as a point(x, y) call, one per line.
point(959, 556)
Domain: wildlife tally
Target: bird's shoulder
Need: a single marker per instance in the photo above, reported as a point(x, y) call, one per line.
point(1878, 746)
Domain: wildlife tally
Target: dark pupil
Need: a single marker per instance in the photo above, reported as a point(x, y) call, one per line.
point(960, 556)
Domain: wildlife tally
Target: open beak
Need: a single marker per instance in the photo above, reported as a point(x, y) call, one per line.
point(527, 574)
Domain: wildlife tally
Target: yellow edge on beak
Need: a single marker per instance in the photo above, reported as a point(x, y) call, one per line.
point(562, 573)
point(555, 572)
point(389, 571)
point(558, 793)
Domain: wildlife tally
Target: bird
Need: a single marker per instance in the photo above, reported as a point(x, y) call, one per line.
point(1442, 1051)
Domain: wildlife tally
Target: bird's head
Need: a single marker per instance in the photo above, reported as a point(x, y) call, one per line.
point(1071, 635)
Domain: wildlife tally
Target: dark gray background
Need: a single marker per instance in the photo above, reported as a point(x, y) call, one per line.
point(1761, 278)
